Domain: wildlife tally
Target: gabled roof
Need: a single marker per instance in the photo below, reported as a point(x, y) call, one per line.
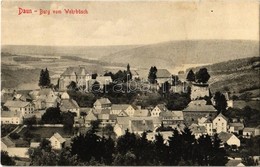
point(234, 162)
point(200, 106)
point(161, 107)
point(247, 129)
point(225, 136)
point(237, 125)
point(222, 116)
point(59, 137)
point(90, 116)
point(141, 113)
point(122, 114)
point(142, 125)
point(120, 106)
point(167, 114)
point(67, 104)
point(198, 129)
point(103, 116)
point(163, 73)
point(18, 103)
point(123, 120)
point(75, 71)
point(8, 142)
point(204, 120)
point(103, 101)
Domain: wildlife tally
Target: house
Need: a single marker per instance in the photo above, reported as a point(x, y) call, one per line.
point(171, 118)
point(158, 109)
point(207, 123)
point(127, 108)
point(248, 132)
point(163, 75)
point(90, 117)
point(220, 123)
point(11, 117)
point(197, 109)
point(102, 103)
point(136, 124)
point(199, 91)
point(44, 98)
point(79, 75)
point(121, 126)
point(65, 95)
point(70, 105)
point(122, 114)
point(22, 95)
point(229, 139)
point(34, 144)
point(57, 141)
point(198, 130)
point(25, 108)
point(234, 162)
point(257, 130)
point(140, 126)
point(141, 113)
point(236, 127)
point(151, 136)
point(106, 118)
point(6, 143)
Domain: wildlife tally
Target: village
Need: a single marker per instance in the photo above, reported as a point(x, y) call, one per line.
point(29, 114)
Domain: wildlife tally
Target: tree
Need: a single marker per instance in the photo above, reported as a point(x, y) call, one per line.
point(190, 76)
point(95, 88)
point(128, 72)
point(152, 75)
point(68, 122)
point(165, 88)
point(220, 156)
point(30, 122)
point(44, 80)
point(14, 136)
point(43, 155)
point(160, 150)
point(52, 116)
point(6, 159)
point(127, 159)
point(202, 76)
point(126, 142)
point(220, 102)
point(72, 86)
point(67, 159)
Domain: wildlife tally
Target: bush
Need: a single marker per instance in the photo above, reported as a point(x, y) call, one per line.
point(14, 136)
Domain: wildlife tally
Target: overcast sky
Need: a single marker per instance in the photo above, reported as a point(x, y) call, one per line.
point(122, 23)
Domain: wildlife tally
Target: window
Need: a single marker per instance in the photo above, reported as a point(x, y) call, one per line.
point(218, 119)
point(25, 109)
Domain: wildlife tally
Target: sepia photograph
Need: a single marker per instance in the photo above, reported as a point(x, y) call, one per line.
point(130, 83)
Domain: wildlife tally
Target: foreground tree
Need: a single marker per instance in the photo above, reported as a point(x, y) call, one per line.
point(68, 121)
point(6, 159)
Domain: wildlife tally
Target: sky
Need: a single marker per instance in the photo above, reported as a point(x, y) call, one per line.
point(127, 23)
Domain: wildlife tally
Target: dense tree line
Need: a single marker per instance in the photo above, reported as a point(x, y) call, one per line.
point(131, 149)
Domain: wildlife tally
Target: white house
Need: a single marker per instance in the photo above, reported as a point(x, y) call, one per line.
point(207, 123)
point(25, 108)
point(234, 162)
point(248, 132)
point(229, 139)
point(158, 109)
point(127, 108)
point(11, 117)
point(102, 103)
point(57, 141)
point(151, 136)
point(220, 123)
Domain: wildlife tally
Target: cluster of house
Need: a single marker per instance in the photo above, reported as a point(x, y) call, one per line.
point(199, 116)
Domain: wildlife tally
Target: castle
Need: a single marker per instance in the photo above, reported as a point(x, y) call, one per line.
point(77, 74)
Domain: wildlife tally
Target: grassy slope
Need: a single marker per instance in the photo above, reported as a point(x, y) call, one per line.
point(238, 76)
point(169, 54)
